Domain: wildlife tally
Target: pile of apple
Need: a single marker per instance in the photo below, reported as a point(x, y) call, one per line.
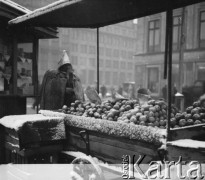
point(153, 114)
point(125, 111)
point(109, 110)
point(194, 114)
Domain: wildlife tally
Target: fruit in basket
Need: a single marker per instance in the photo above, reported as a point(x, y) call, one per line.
point(143, 118)
point(150, 124)
point(162, 127)
point(145, 107)
point(151, 102)
point(96, 115)
point(117, 107)
point(65, 107)
point(142, 123)
point(202, 110)
point(156, 123)
point(195, 111)
point(146, 113)
point(188, 116)
point(162, 122)
point(152, 109)
point(197, 122)
point(151, 119)
point(196, 104)
point(126, 111)
point(189, 109)
point(196, 117)
point(179, 116)
point(157, 107)
point(133, 119)
point(203, 120)
point(190, 122)
point(182, 122)
point(173, 122)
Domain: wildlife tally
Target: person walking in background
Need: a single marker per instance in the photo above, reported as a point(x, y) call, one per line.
point(103, 90)
point(60, 87)
point(120, 89)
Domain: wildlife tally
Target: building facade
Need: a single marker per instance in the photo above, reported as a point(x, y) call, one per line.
point(117, 48)
point(149, 58)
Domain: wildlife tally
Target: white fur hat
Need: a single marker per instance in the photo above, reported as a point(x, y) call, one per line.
point(64, 59)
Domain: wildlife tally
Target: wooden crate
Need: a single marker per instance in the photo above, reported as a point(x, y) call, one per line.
point(196, 132)
point(109, 148)
point(33, 141)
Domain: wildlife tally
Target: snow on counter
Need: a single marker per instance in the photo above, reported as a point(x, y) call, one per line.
point(17, 121)
point(187, 143)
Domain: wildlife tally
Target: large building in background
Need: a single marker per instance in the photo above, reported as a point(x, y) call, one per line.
point(149, 58)
point(117, 48)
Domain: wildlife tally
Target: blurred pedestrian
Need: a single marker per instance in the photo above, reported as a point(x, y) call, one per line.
point(103, 90)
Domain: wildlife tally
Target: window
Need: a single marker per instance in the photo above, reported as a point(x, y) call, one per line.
point(92, 50)
point(101, 51)
point(83, 76)
point(123, 65)
point(108, 63)
point(129, 76)
point(122, 78)
point(108, 52)
point(202, 29)
point(82, 61)
point(116, 64)
point(176, 32)
point(91, 78)
point(153, 36)
point(153, 79)
point(74, 47)
point(92, 62)
point(116, 53)
point(115, 78)
point(74, 60)
point(101, 73)
point(107, 78)
point(101, 62)
point(83, 48)
point(129, 65)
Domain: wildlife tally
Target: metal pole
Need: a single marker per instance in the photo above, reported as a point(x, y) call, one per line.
point(166, 50)
point(181, 51)
point(170, 30)
point(98, 60)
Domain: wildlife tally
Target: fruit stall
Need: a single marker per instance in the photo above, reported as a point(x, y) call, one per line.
point(114, 128)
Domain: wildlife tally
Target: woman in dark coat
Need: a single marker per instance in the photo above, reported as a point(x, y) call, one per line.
point(60, 87)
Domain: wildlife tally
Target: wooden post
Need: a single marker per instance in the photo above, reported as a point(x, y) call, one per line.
point(98, 79)
point(169, 25)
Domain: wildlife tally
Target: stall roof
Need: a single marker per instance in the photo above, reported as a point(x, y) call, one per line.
point(95, 13)
point(10, 10)
point(15, 6)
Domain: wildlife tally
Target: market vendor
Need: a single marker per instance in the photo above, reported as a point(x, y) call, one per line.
point(60, 87)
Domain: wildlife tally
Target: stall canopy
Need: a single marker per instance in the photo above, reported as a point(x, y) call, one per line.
point(95, 13)
point(10, 10)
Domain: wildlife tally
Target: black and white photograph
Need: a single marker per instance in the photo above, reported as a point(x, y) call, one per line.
point(102, 89)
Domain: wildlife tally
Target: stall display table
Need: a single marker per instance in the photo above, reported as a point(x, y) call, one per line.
point(31, 138)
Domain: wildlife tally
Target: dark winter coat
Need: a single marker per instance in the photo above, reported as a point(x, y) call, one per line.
point(53, 93)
